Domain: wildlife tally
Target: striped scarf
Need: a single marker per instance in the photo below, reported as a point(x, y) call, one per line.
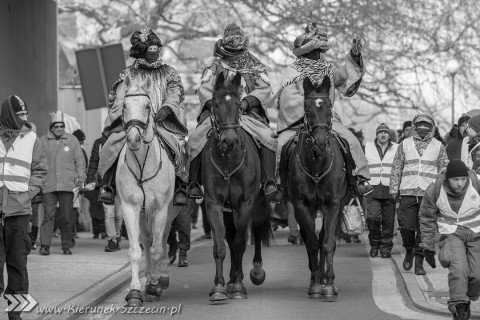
point(315, 70)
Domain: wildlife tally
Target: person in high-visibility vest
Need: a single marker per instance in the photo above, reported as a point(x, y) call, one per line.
point(417, 163)
point(23, 167)
point(380, 206)
point(450, 206)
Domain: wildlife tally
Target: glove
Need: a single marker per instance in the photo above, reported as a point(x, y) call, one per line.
point(162, 114)
point(89, 187)
point(244, 106)
point(430, 257)
point(357, 46)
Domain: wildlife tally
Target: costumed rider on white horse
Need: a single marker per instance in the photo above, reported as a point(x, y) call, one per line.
point(166, 100)
point(310, 62)
point(231, 56)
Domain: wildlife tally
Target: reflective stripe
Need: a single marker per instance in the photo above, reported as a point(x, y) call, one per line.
point(16, 179)
point(422, 174)
point(16, 162)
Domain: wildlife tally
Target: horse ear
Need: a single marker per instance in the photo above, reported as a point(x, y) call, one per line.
point(237, 80)
point(219, 82)
point(127, 81)
point(307, 86)
point(147, 84)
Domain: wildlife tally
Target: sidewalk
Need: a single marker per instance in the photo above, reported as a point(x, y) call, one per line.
point(83, 279)
point(429, 292)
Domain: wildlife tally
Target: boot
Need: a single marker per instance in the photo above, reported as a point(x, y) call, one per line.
point(408, 261)
point(95, 228)
point(460, 311)
point(111, 246)
point(268, 162)
point(44, 250)
point(356, 183)
point(14, 315)
point(194, 190)
point(180, 196)
point(182, 258)
point(419, 265)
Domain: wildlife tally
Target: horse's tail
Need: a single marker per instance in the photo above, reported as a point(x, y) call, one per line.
point(261, 220)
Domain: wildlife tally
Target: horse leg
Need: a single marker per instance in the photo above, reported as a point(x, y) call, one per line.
point(132, 219)
point(329, 290)
point(145, 240)
point(239, 246)
point(321, 237)
point(230, 232)
point(260, 225)
point(165, 262)
point(215, 217)
point(306, 220)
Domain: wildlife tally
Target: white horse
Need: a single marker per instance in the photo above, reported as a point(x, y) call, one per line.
point(145, 186)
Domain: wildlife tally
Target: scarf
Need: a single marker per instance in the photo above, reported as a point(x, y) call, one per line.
point(315, 70)
point(10, 123)
point(142, 63)
point(312, 39)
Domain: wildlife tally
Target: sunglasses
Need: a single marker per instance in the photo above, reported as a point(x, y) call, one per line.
point(22, 114)
point(58, 127)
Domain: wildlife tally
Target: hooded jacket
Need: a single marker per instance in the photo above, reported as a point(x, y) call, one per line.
point(420, 146)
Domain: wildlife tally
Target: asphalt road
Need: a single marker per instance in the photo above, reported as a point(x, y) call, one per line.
point(369, 289)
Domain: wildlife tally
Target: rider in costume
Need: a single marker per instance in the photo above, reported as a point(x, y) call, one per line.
point(166, 106)
point(309, 48)
point(231, 56)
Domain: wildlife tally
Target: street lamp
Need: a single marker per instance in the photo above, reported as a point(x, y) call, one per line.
point(452, 68)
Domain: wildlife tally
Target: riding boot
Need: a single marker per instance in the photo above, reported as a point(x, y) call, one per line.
point(180, 196)
point(268, 161)
point(357, 183)
point(194, 190)
point(107, 191)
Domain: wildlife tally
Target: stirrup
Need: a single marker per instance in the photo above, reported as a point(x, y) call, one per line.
point(274, 196)
point(191, 185)
point(180, 190)
point(107, 195)
point(363, 189)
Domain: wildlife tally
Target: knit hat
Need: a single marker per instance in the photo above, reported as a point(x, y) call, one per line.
point(406, 124)
point(474, 123)
point(18, 104)
point(383, 127)
point(79, 134)
point(456, 168)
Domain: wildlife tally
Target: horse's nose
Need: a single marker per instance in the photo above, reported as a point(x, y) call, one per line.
point(228, 140)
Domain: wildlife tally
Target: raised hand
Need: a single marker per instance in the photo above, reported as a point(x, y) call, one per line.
point(357, 46)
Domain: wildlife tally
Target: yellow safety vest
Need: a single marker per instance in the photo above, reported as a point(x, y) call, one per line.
point(380, 169)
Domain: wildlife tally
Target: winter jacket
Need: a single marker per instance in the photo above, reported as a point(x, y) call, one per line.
point(18, 203)
point(92, 173)
point(66, 163)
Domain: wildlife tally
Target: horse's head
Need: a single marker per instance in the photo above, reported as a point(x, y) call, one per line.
point(318, 114)
point(225, 113)
point(136, 115)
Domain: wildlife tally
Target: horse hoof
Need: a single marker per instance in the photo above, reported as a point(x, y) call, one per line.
point(315, 296)
point(329, 298)
point(218, 294)
point(164, 282)
point(152, 298)
point(239, 295)
point(236, 291)
point(258, 278)
point(134, 302)
point(153, 289)
point(329, 293)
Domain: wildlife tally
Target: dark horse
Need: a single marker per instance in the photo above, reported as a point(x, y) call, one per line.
point(317, 181)
point(231, 178)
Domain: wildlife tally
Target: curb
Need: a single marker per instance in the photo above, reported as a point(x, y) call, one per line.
point(103, 288)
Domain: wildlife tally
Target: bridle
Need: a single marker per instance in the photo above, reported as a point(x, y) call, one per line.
point(310, 128)
point(219, 128)
point(141, 126)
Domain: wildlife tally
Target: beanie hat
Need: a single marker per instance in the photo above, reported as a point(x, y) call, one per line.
point(406, 124)
point(79, 134)
point(463, 119)
point(456, 168)
point(18, 104)
point(382, 127)
point(474, 123)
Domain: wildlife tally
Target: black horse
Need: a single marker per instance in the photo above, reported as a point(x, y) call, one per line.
point(231, 178)
point(317, 181)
